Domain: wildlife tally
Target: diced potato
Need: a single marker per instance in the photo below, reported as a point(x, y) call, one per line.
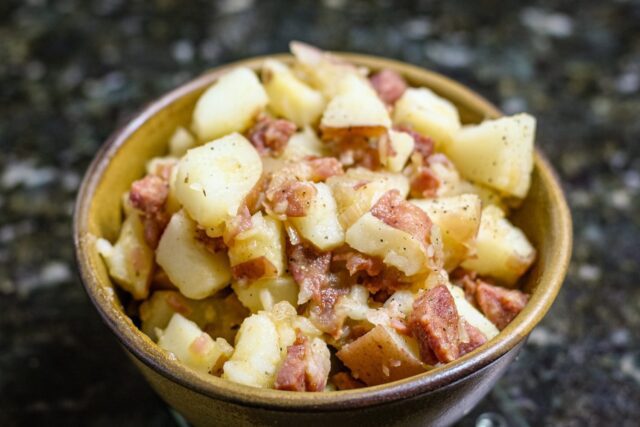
point(257, 353)
point(428, 114)
point(320, 225)
point(304, 144)
point(355, 106)
point(263, 294)
point(459, 219)
point(401, 144)
point(359, 189)
point(395, 247)
point(214, 179)
point(355, 304)
point(469, 313)
point(195, 271)
point(289, 97)
point(265, 238)
point(487, 195)
point(381, 356)
point(502, 250)
point(229, 105)
point(191, 346)
point(130, 259)
point(321, 69)
point(497, 153)
point(180, 142)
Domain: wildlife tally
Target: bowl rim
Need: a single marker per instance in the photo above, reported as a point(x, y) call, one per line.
point(139, 345)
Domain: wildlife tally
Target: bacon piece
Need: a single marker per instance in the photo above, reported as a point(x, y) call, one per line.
point(176, 301)
point(236, 225)
point(423, 145)
point(356, 262)
point(322, 168)
point(310, 270)
point(271, 135)
point(292, 373)
point(149, 195)
point(354, 149)
point(468, 281)
point(387, 282)
point(396, 212)
point(293, 199)
point(212, 244)
point(499, 304)
point(473, 339)
point(389, 85)
point(254, 269)
point(434, 322)
point(424, 183)
point(255, 198)
point(344, 381)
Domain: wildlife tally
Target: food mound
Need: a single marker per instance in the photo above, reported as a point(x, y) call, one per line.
point(322, 227)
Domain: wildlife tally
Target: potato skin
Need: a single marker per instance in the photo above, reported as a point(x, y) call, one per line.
point(381, 356)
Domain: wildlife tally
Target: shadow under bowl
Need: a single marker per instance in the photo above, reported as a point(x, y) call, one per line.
point(438, 397)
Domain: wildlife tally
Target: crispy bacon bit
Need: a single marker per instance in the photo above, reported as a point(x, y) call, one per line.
point(396, 212)
point(271, 135)
point(389, 85)
point(344, 381)
point(474, 338)
point(499, 304)
point(310, 270)
point(302, 370)
point(385, 284)
point(293, 199)
point(423, 144)
point(149, 195)
point(236, 225)
point(354, 149)
point(255, 198)
point(254, 269)
point(292, 373)
point(424, 183)
point(434, 322)
point(322, 168)
point(212, 244)
point(356, 262)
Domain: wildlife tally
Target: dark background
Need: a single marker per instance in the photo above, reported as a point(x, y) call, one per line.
point(72, 70)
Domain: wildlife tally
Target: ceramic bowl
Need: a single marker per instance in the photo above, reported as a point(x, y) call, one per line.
point(437, 397)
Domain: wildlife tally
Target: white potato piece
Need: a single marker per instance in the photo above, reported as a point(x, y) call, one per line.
point(395, 247)
point(181, 140)
point(304, 144)
point(381, 356)
point(290, 97)
point(263, 294)
point(355, 304)
point(214, 179)
point(428, 114)
point(497, 153)
point(191, 346)
point(459, 219)
point(359, 189)
point(356, 105)
point(229, 105)
point(195, 271)
point(265, 239)
point(469, 313)
point(320, 226)
point(130, 259)
point(401, 147)
point(502, 250)
point(257, 353)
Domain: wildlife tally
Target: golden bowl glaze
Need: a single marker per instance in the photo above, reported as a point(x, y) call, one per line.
point(437, 397)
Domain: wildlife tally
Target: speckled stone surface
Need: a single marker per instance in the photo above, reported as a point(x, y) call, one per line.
point(72, 70)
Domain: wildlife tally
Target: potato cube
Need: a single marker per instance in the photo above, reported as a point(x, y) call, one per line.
point(320, 225)
point(459, 219)
point(472, 315)
point(290, 97)
point(229, 105)
point(180, 142)
point(191, 346)
point(195, 271)
point(381, 356)
point(214, 179)
point(428, 114)
point(394, 157)
point(304, 144)
point(497, 153)
point(263, 294)
point(130, 259)
point(502, 250)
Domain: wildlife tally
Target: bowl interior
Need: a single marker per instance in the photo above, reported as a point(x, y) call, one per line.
point(544, 217)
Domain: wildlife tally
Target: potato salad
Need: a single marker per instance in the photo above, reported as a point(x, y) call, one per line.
point(319, 226)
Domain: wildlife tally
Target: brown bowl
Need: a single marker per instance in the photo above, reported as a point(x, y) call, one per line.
point(437, 397)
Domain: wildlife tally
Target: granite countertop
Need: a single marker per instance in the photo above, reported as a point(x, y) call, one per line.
point(72, 70)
